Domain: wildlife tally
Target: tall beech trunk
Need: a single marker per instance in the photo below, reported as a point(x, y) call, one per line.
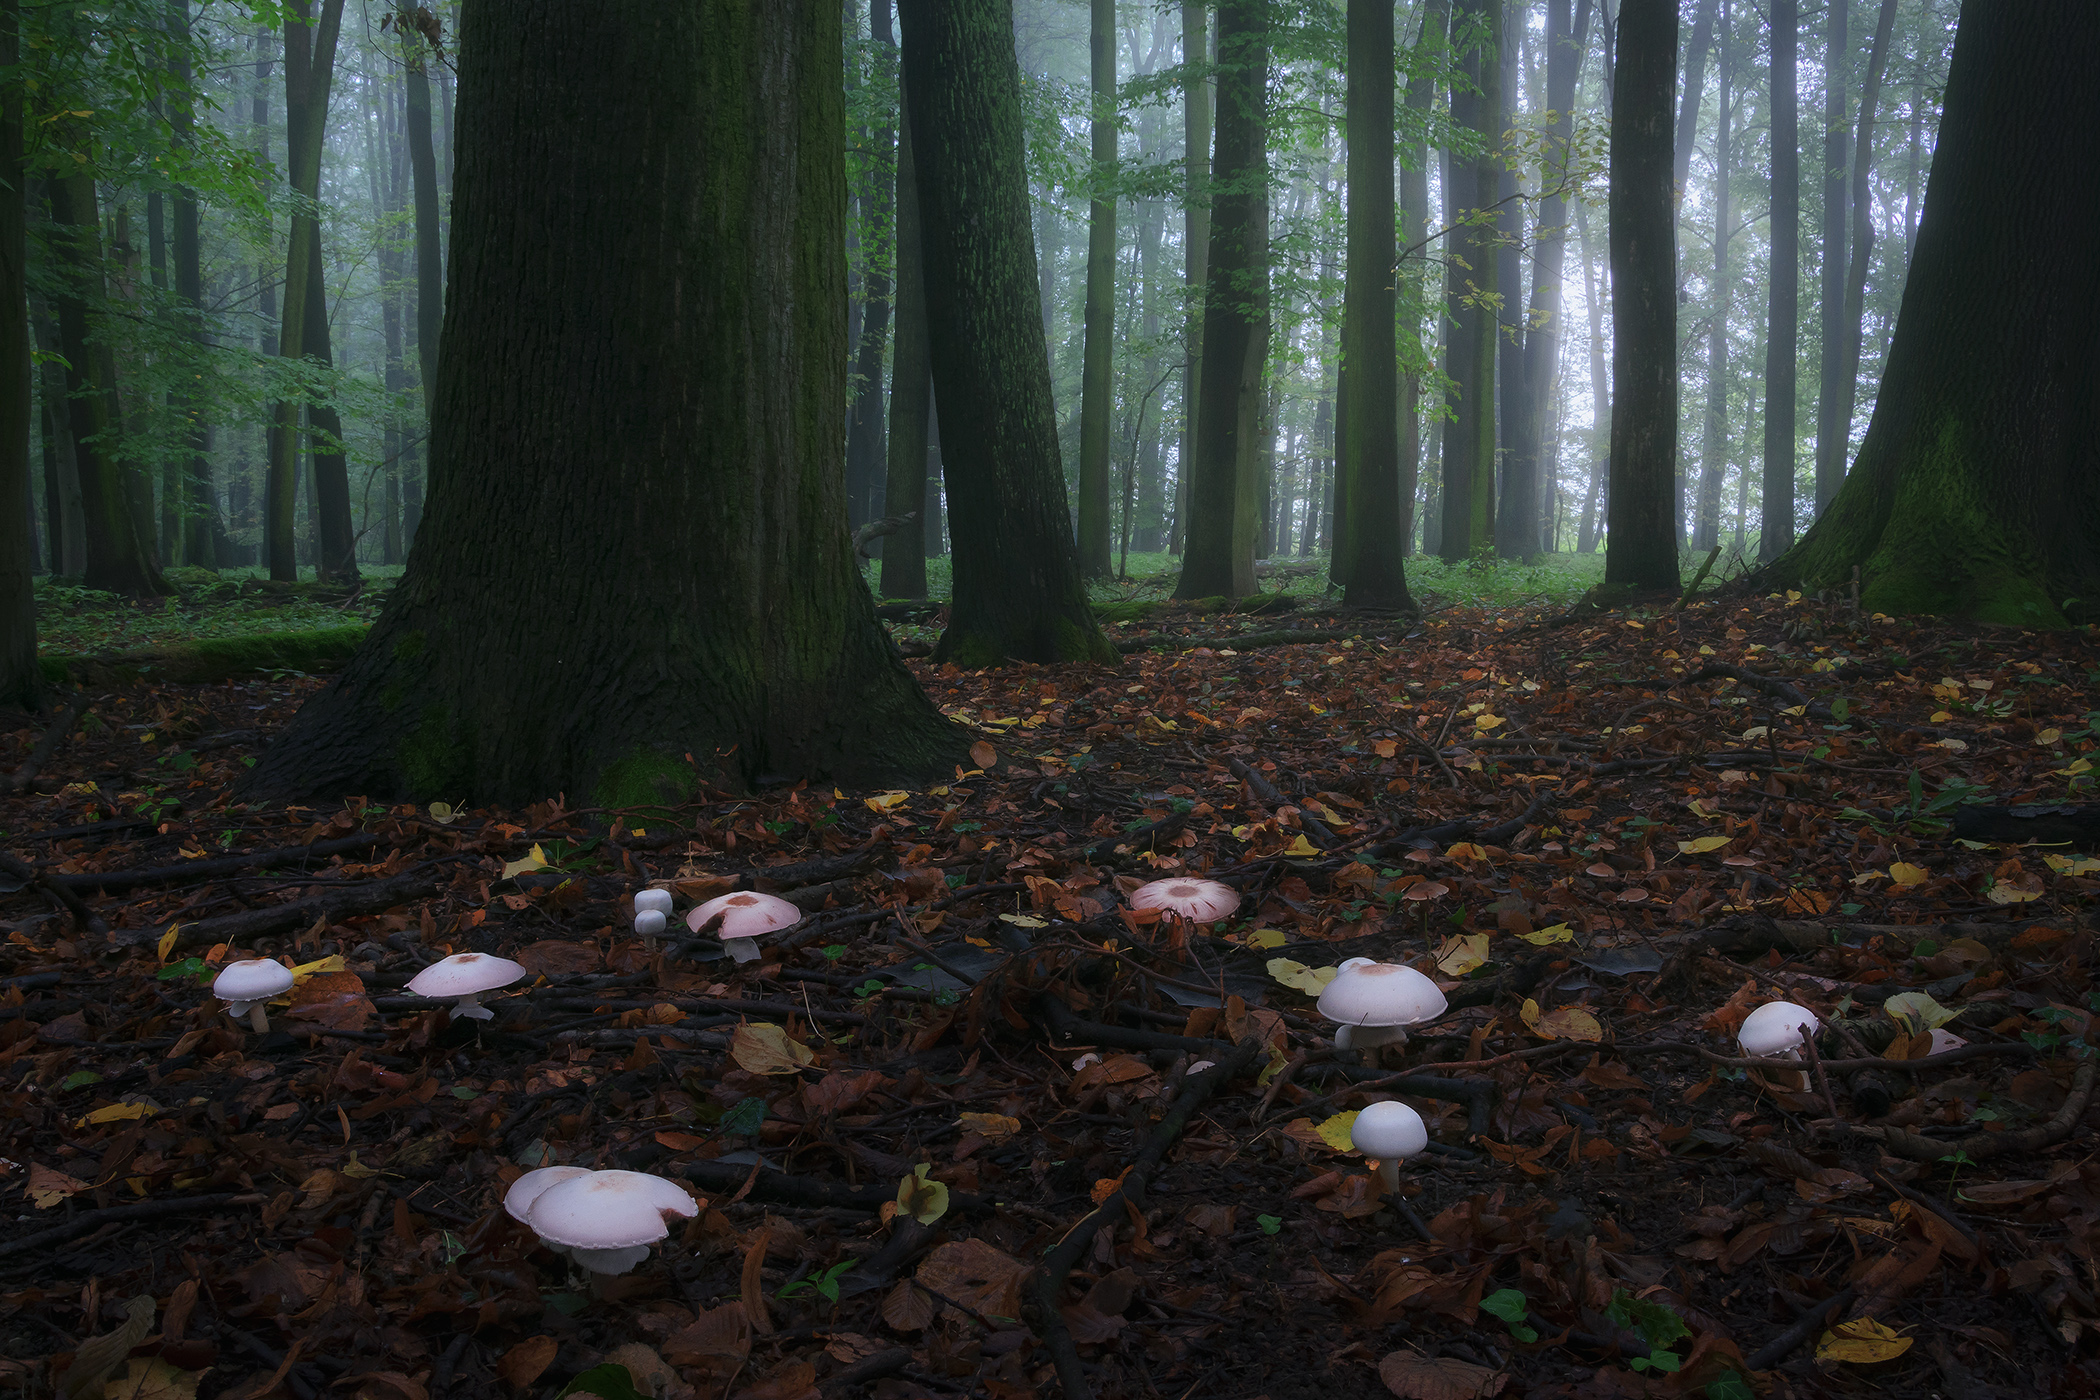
point(21, 679)
point(1224, 495)
point(740, 643)
point(1368, 549)
point(911, 395)
point(1713, 451)
point(1862, 240)
point(1195, 246)
point(1097, 385)
point(1694, 90)
point(1642, 550)
point(1547, 321)
point(430, 258)
point(1516, 526)
point(61, 468)
point(200, 528)
point(1414, 233)
point(1018, 594)
point(1471, 285)
point(335, 539)
point(864, 451)
point(1600, 389)
point(1977, 490)
point(1782, 331)
point(1833, 436)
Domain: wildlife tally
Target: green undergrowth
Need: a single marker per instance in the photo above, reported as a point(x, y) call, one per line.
point(231, 605)
point(208, 660)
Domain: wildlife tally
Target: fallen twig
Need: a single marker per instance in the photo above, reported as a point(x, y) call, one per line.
point(22, 777)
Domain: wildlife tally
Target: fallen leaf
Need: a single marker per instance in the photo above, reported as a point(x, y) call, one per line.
point(1558, 933)
point(1338, 1132)
point(922, 1198)
point(49, 1187)
point(523, 1363)
point(152, 1379)
point(1461, 953)
point(1862, 1341)
point(907, 1307)
point(1904, 873)
point(1299, 977)
point(763, 1048)
point(535, 859)
point(983, 754)
point(974, 1275)
point(992, 1127)
point(1917, 1012)
point(1699, 846)
point(1413, 1376)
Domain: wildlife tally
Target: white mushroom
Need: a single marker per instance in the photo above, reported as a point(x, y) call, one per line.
point(1943, 1041)
point(1198, 901)
point(1374, 1003)
point(529, 1187)
point(650, 923)
point(247, 986)
point(1773, 1031)
point(659, 900)
point(464, 978)
point(607, 1220)
point(745, 915)
point(1389, 1133)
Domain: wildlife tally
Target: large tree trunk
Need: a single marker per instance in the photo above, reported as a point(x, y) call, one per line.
point(1414, 233)
point(1782, 331)
point(21, 680)
point(688, 606)
point(1977, 490)
point(1642, 550)
point(864, 450)
point(1833, 435)
point(1195, 246)
point(1018, 594)
point(911, 395)
point(1097, 387)
point(1471, 285)
point(1368, 552)
point(1224, 494)
point(1713, 451)
point(1862, 222)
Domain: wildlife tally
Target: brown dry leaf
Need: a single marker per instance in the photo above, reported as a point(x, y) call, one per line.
point(983, 754)
point(644, 1367)
point(552, 957)
point(840, 1090)
point(98, 1356)
point(906, 1307)
point(146, 1379)
point(849, 1347)
point(1090, 1326)
point(1212, 1219)
point(971, 1274)
point(49, 1187)
point(1413, 1376)
point(791, 1380)
point(753, 1282)
point(388, 1385)
point(335, 1000)
point(764, 1048)
point(992, 1127)
point(523, 1363)
point(723, 1331)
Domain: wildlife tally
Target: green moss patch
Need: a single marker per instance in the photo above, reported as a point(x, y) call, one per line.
point(213, 659)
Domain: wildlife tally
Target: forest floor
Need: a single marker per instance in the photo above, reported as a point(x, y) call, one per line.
point(1607, 840)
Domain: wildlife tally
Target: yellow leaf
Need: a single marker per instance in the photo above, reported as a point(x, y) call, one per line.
point(443, 813)
point(2077, 768)
point(2005, 893)
point(1299, 977)
point(1462, 953)
point(1337, 1132)
point(167, 941)
point(1300, 847)
point(1558, 933)
point(1488, 721)
point(1699, 846)
point(120, 1112)
point(1024, 921)
point(2049, 736)
point(1466, 850)
point(534, 859)
point(764, 1048)
point(2072, 865)
point(1917, 1013)
point(887, 801)
point(1276, 938)
point(332, 963)
point(924, 1200)
point(1904, 873)
point(48, 1188)
point(1862, 1341)
point(1277, 1062)
point(152, 1379)
point(992, 1127)
point(1562, 1023)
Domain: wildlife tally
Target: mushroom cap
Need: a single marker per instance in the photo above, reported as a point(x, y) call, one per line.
point(607, 1210)
point(1380, 994)
point(1773, 1031)
point(252, 979)
point(527, 1188)
point(1943, 1041)
point(1389, 1131)
point(649, 922)
point(465, 975)
point(659, 900)
point(1202, 901)
point(745, 914)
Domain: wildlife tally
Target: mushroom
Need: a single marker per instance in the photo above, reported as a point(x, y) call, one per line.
point(1198, 901)
point(1943, 1041)
point(744, 915)
point(463, 979)
point(529, 1187)
point(649, 923)
point(1389, 1132)
point(606, 1220)
point(1773, 1031)
point(246, 986)
point(1374, 1003)
point(659, 900)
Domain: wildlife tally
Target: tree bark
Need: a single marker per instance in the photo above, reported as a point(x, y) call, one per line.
point(1713, 452)
point(1097, 372)
point(1833, 435)
point(1642, 549)
point(335, 538)
point(911, 394)
point(1547, 320)
point(21, 679)
point(199, 503)
point(1782, 331)
point(1862, 240)
point(864, 450)
point(430, 258)
point(1977, 489)
point(1471, 285)
point(1600, 390)
point(1414, 233)
point(1195, 244)
point(687, 609)
point(1018, 594)
point(1516, 522)
point(61, 467)
point(1224, 493)
point(1694, 91)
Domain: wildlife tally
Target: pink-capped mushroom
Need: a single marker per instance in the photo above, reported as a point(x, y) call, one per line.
point(1198, 901)
point(744, 916)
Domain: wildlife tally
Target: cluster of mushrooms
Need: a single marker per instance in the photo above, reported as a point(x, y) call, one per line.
point(247, 986)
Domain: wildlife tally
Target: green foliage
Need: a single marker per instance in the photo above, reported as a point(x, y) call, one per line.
point(1509, 1305)
point(825, 1284)
point(1660, 1327)
point(610, 1381)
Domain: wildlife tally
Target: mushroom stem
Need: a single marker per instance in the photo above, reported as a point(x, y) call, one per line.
point(742, 950)
point(471, 1008)
point(259, 1017)
point(1389, 1173)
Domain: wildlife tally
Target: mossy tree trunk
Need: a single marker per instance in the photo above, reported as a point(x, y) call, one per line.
point(1018, 594)
point(1223, 493)
point(691, 591)
point(21, 680)
point(1097, 386)
point(911, 396)
point(1977, 490)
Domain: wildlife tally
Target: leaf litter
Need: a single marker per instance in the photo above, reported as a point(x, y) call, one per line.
point(1607, 842)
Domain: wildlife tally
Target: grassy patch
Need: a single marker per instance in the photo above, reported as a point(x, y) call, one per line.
point(76, 621)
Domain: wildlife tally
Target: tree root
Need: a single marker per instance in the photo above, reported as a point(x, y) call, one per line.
point(343, 903)
point(89, 1221)
point(22, 777)
point(1977, 1147)
point(118, 881)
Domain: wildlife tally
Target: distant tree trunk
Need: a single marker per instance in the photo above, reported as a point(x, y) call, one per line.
point(1642, 551)
point(335, 537)
point(1912, 160)
point(1471, 285)
point(1713, 452)
point(1195, 243)
point(120, 557)
point(911, 394)
point(1600, 390)
point(1862, 222)
point(1414, 232)
point(1018, 594)
point(1833, 436)
point(1516, 527)
point(21, 679)
point(390, 178)
point(61, 467)
point(198, 502)
point(1367, 552)
point(741, 635)
point(1149, 534)
point(1547, 319)
point(936, 512)
point(1097, 386)
point(1977, 490)
point(864, 450)
point(1694, 92)
point(430, 258)
point(1782, 331)
point(169, 531)
point(1223, 496)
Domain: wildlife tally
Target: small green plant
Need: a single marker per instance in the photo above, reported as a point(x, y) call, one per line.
point(1510, 1305)
point(825, 1284)
point(1658, 1326)
point(1270, 1224)
point(868, 988)
point(745, 1118)
point(1730, 1386)
point(834, 951)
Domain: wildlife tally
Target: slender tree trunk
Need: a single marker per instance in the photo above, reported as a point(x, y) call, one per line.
point(1642, 552)
point(1977, 489)
point(1516, 521)
point(1097, 375)
point(1471, 286)
point(70, 553)
point(1018, 593)
point(199, 511)
point(1195, 243)
point(1833, 435)
point(169, 526)
point(21, 679)
point(1600, 390)
point(1694, 92)
point(936, 475)
point(430, 260)
point(1149, 536)
point(1713, 452)
point(389, 164)
point(1862, 222)
point(335, 538)
point(864, 449)
point(1776, 526)
point(741, 635)
point(911, 394)
point(1547, 321)
point(1414, 233)
point(1223, 496)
